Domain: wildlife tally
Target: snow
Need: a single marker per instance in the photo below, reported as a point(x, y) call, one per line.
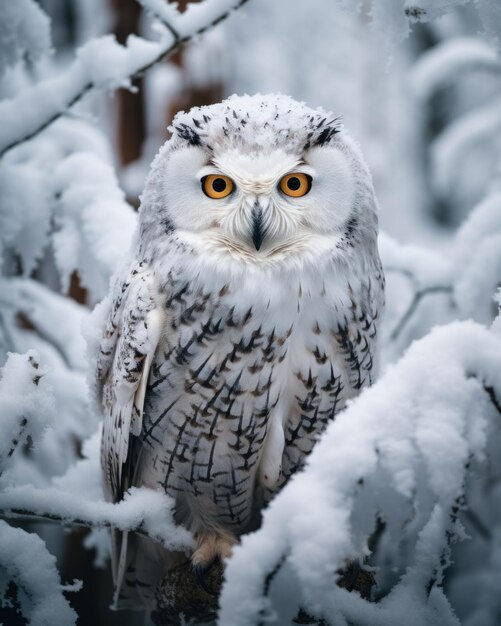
point(25, 560)
point(427, 10)
point(427, 267)
point(24, 212)
point(26, 403)
point(477, 256)
point(91, 216)
point(24, 30)
point(142, 509)
point(121, 61)
point(63, 191)
point(54, 95)
point(196, 18)
point(490, 14)
point(165, 12)
point(452, 150)
point(394, 17)
point(41, 305)
point(422, 441)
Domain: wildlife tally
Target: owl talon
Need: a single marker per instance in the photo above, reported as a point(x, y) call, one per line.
point(212, 547)
point(200, 572)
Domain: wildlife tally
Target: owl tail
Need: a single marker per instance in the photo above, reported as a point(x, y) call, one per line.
point(119, 541)
point(138, 564)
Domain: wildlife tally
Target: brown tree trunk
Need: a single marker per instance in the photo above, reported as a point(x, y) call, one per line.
point(130, 104)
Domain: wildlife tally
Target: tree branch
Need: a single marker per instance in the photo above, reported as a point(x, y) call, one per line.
point(17, 440)
point(418, 296)
point(78, 84)
point(493, 398)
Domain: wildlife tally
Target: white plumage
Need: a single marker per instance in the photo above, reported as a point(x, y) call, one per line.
point(241, 324)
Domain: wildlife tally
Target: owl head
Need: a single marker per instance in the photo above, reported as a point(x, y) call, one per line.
point(260, 179)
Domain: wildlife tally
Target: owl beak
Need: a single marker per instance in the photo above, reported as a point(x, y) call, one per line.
point(258, 232)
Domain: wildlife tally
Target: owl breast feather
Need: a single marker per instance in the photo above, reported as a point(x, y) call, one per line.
point(240, 389)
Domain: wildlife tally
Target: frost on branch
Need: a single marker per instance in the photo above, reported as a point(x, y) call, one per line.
point(427, 287)
point(94, 224)
point(26, 409)
point(39, 594)
point(64, 500)
point(62, 216)
point(401, 458)
point(142, 510)
point(24, 31)
point(26, 404)
point(55, 95)
point(394, 18)
point(61, 190)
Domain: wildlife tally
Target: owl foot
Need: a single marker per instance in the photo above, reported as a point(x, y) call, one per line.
point(212, 547)
point(201, 572)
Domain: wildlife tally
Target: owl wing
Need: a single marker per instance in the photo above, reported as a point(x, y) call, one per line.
point(342, 359)
point(355, 336)
point(130, 337)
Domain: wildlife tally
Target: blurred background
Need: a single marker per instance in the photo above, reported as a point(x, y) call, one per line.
point(422, 99)
point(328, 57)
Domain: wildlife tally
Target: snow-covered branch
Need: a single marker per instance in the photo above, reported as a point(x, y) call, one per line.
point(445, 63)
point(461, 138)
point(143, 511)
point(463, 278)
point(411, 309)
point(55, 96)
point(25, 560)
point(26, 403)
point(39, 306)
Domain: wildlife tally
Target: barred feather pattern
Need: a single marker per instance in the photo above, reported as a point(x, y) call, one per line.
point(219, 368)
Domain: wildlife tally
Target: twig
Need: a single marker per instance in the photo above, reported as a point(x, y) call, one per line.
point(418, 296)
point(477, 524)
point(492, 395)
point(404, 271)
point(178, 41)
point(269, 579)
point(161, 19)
point(17, 440)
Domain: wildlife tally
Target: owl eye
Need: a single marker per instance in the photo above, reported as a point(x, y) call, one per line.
point(217, 186)
point(295, 185)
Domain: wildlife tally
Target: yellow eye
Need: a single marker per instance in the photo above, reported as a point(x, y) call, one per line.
point(217, 186)
point(295, 185)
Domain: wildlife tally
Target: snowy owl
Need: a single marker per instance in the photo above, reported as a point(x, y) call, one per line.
point(245, 318)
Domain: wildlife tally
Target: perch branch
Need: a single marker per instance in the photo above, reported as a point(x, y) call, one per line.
point(76, 90)
point(143, 511)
